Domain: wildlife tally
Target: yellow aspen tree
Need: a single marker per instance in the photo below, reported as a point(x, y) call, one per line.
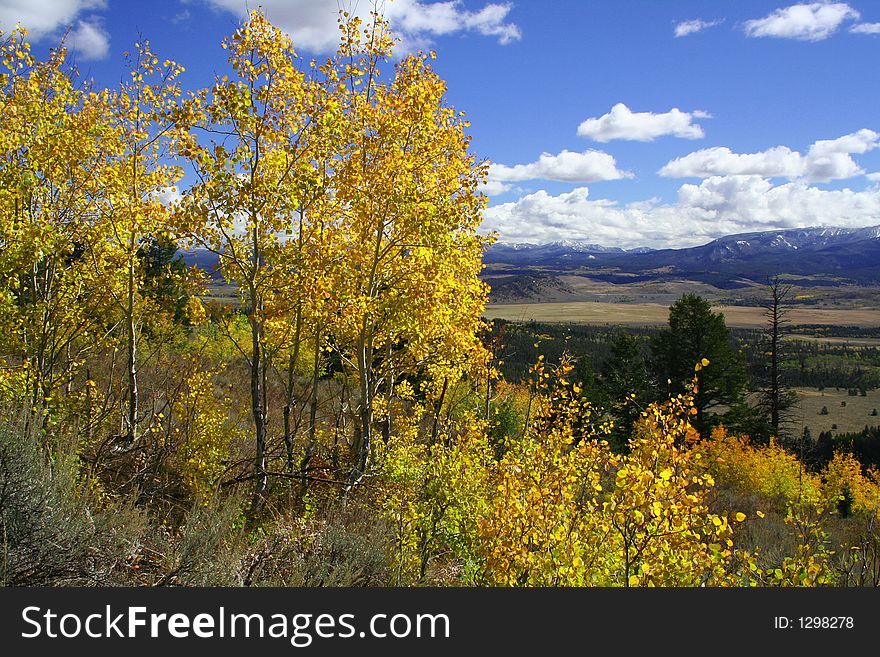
point(52, 147)
point(145, 122)
point(309, 253)
point(663, 531)
point(410, 300)
point(255, 128)
point(570, 512)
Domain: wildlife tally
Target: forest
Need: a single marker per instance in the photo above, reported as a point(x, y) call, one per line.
point(352, 420)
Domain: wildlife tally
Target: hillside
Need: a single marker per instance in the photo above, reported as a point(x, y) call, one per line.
point(815, 256)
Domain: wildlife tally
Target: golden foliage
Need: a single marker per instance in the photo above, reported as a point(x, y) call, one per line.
point(206, 432)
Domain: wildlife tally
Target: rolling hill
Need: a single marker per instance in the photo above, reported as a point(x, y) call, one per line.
point(819, 256)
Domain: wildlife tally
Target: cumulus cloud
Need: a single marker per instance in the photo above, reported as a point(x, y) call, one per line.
point(865, 28)
point(828, 159)
point(720, 205)
point(44, 17)
point(875, 177)
point(312, 23)
point(774, 162)
point(567, 166)
point(89, 39)
point(495, 187)
point(805, 22)
point(623, 123)
point(754, 203)
point(692, 27)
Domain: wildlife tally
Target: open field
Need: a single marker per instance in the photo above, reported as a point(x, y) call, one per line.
point(840, 419)
point(539, 286)
point(655, 314)
point(850, 342)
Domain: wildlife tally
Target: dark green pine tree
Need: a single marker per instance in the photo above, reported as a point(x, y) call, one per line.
point(625, 385)
point(164, 277)
point(696, 332)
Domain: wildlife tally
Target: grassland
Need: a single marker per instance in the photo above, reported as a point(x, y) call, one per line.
point(840, 419)
point(655, 314)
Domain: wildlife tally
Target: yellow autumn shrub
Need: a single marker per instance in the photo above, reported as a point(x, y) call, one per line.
point(768, 470)
point(844, 474)
point(567, 511)
point(432, 494)
point(205, 422)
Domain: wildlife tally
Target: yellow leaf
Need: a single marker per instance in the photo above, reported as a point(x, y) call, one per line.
point(740, 516)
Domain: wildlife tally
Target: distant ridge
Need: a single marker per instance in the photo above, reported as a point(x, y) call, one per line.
point(847, 255)
point(840, 255)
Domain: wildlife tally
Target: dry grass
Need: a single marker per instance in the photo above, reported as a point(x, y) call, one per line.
point(655, 314)
point(850, 418)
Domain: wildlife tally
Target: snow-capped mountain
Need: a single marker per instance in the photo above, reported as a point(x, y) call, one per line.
point(527, 253)
point(841, 254)
point(848, 254)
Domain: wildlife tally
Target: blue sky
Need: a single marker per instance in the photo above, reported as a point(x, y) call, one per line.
point(625, 123)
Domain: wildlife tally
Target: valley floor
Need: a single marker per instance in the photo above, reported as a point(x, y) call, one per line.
point(656, 314)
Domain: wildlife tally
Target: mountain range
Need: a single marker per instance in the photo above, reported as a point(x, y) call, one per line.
point(819, 256)
point(822, 255)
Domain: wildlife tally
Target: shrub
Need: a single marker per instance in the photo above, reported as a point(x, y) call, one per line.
point(208, 431)
point(347, 549)
point(205, 551)
point(55, 531)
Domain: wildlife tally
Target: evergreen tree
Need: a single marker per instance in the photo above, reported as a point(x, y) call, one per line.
point(164, 276)
point(695, 333)
point(625, 385)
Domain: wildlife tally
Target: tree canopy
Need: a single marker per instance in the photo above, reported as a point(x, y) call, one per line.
point(695, 333)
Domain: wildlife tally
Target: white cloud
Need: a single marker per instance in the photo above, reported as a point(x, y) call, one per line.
point(861, 141)
point(774, 162)
point(622, 123)
point(825, 160)
point(875, 177)
point(312, 23)
point(567, 166)
point(754, 203)
point(43, 17)
point(490, 21)
point(692, 27)
point(89, 39)
point(495, 187)
point(720, 205)
point(542, 217)
point(865, 28)
point(804, 22)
